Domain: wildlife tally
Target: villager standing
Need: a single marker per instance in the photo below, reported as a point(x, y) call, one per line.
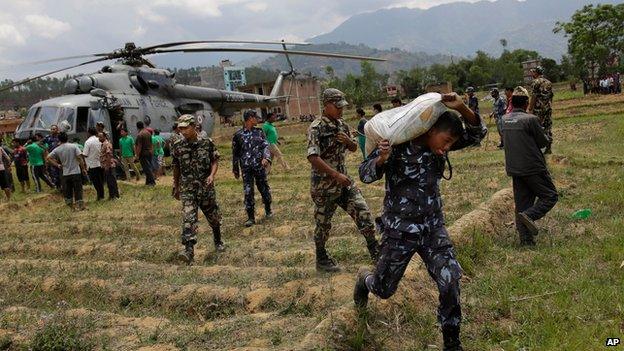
point(534, 192)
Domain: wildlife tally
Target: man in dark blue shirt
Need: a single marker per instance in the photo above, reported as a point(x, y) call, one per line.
point(412, 221)
point(250, 153)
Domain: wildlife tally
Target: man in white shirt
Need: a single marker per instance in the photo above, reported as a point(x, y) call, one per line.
point(91, 154)
point(66, 158)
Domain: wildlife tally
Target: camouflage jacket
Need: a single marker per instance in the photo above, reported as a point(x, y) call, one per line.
point(413, 173)
point(249, 147)
point(322, 141)
point(541, 91)
point(194, 160)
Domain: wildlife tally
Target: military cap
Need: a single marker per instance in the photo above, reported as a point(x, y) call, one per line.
point(470, 90)
point(538, 70)
point(248, 114)
point(335, 96)
point(520, 91)
point(186, 120)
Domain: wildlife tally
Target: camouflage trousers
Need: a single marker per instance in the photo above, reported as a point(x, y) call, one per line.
point(260, 177)
point(349, 199)
point(191, 202)
point(436, 250)
point(545, 117)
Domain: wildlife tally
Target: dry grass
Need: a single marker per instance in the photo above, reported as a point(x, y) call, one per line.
point(110, 270)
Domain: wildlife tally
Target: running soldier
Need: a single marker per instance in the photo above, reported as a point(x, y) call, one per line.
point(251, 154)
point(541, 100)
point(195, 164)
point(329, 138)
point(412, 221)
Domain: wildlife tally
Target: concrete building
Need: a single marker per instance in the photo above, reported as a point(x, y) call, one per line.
point(304, 94)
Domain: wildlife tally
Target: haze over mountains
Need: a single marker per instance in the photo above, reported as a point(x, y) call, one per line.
point(463, 28)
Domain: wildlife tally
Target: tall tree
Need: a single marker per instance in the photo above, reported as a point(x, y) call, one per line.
point(595, 37)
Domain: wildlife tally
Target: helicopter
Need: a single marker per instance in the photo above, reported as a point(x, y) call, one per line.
point(133, 89)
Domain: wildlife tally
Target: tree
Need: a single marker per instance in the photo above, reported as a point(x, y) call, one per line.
point(595, 37)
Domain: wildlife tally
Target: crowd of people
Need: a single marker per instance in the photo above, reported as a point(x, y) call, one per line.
point(608, 84)
point(36, 159)
point(412, 221)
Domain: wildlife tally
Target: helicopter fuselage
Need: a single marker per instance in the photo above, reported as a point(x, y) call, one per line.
point(126, 94)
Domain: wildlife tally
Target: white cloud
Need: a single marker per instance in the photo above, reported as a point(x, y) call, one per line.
point(10, 35)
point(46, 26)
point(425, 4)
point(139, 31)
point(203, 8)
point(256, 6)
point(149, 15)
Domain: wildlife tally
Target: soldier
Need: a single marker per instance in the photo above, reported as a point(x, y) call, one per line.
point(329, 138)
point(52, 141)
point(525, 163)
point(412, 221)
point(540, 104)
point(473, 101)
point(498, 111)
point(250, 153)
point(195, 164)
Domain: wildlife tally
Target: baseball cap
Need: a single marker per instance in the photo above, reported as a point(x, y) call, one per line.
point(334, 96)
point(186, 120)
point(520, 91)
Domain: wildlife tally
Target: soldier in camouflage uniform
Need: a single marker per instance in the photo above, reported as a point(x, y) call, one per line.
point(329, 138)
point(195, 163)
point(412, 221)
point(541, 99)
point(250, 153)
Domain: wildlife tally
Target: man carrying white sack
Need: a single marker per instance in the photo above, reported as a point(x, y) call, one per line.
point(412, 220)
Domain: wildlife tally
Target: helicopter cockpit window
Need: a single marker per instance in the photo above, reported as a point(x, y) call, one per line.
point(97, 116)
point(67, 118)
point(47, 116)
point(30, 118)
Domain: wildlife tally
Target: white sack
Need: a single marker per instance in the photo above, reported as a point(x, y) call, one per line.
point(404, 123)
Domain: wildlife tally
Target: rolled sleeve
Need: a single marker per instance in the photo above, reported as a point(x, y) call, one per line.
point(313, 142)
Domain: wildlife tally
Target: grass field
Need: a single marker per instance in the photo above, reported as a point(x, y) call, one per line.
point(106, 279)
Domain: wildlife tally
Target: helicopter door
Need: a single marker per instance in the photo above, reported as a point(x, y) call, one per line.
point(82, 122)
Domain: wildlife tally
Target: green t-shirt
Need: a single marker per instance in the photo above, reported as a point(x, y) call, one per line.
point(271, 133)
point(35, 154)
point(158, 142)
point(127, 146)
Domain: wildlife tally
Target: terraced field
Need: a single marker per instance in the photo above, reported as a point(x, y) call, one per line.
point(107, 279)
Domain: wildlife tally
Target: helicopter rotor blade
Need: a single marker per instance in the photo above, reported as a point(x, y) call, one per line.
point(168, 45)
point(24, 81)
point(271, 51)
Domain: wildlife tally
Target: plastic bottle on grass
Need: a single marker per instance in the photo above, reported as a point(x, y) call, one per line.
point(582, 214)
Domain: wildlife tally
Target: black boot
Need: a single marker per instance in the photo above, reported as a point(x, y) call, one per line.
point(267, 210)
point(451, 338)
point(187, 254)
point(360, 291)
point(324, 262)
point(251, 218)
point(219, 246)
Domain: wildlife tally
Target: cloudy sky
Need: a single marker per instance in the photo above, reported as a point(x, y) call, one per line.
point(33, 30)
